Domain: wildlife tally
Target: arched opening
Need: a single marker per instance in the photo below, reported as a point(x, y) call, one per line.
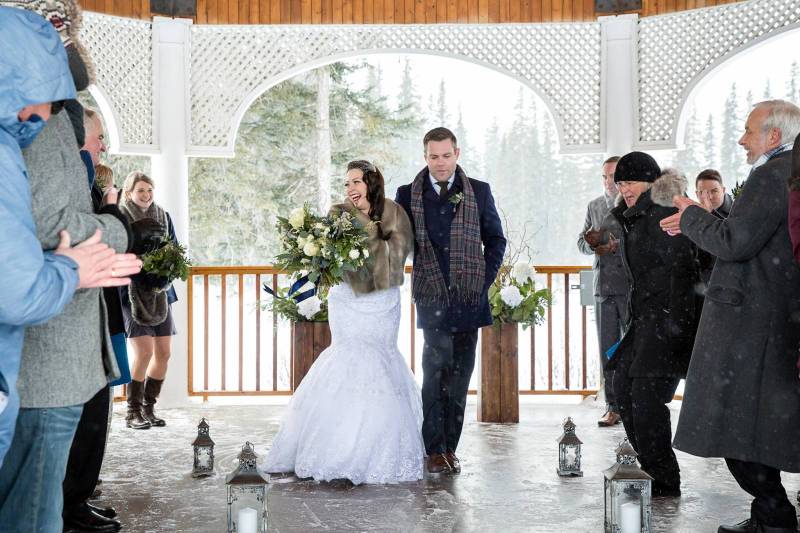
point(716, 108)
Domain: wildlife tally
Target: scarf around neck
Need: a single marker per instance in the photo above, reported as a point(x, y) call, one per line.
point(467, 264)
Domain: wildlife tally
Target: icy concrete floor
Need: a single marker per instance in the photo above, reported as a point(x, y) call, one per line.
point(508, 482)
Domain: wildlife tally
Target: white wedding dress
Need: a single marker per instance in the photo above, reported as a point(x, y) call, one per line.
point(357, 414)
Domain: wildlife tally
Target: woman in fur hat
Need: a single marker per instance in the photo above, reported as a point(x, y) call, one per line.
point(357, 414)
point(147, 314)
point(654, 352)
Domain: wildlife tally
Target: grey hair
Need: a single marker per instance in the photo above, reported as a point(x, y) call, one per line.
point(784, 116)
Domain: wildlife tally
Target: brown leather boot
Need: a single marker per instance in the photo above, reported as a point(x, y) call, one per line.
point(610, 418)
point(134, 419)
point(455, 464)
point(152, 388)
point(437, 464)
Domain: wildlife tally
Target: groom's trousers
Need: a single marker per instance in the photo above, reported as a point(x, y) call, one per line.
point(447, 362)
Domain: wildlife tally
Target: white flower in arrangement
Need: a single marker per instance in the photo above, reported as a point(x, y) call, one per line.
point(365, 253)
point(309, 307)
point(297, 217)
point(511, 296)
point(522, 272)
point(354, 254)
point(310, 249)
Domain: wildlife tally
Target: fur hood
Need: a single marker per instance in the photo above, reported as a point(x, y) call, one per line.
point(666, 187)
point(388, 251)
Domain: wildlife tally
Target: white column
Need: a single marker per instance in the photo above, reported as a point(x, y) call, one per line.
point(171, 42)
point(619, 64)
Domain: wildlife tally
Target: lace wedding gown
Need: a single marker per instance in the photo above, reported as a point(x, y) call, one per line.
point(357, 413)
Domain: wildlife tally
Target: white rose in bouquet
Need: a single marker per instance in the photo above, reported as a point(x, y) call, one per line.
point(354, 254)
point(365, 252)
point(297, 217)
point(522, 272)
point(310, 249)
point(511, 296)
point(309, 307)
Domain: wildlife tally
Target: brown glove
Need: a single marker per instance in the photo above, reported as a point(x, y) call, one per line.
point(794, 183)
point(593, 238)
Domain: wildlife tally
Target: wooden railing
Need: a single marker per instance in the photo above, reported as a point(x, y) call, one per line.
point(238, 348)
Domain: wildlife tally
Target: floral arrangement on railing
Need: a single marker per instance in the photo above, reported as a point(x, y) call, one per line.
point(316, 251)
point(513, 296)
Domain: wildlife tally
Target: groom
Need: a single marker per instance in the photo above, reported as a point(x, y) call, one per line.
point(458, 248)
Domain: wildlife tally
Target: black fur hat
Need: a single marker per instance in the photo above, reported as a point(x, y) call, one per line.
point(637, 166)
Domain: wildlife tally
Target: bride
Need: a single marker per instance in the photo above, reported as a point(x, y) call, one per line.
point(357, 414)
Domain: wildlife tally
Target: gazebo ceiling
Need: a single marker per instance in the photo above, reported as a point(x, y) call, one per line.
point(391, 11)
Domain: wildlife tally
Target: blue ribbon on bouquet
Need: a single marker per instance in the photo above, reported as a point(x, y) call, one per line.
point(293, 289)
point(611, 351)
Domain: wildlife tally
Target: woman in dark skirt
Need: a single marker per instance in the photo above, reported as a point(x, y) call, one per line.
point(147, 311)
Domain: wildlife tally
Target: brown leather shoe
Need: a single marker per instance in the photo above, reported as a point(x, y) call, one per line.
point(437, 464)
point(609, 419)
point(455, 464)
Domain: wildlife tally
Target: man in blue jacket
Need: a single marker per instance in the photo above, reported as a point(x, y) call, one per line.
point(34, 286)
point(458, 249)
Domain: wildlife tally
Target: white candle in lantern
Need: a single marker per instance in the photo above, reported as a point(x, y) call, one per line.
point(630, 517)
point(247, 521)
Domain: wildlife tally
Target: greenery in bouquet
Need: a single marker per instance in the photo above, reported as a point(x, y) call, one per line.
point(737, 190)
point(311, 309)
point(321, 247)
point(169, 261)
point(513, 296)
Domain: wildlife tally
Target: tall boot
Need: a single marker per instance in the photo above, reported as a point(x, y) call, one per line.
point(152, 388)
point(134, 419)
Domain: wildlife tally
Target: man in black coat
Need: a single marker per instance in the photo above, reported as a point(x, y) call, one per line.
point(742, 398)
point(654, 353)
point(710, 191)
point(458, 249)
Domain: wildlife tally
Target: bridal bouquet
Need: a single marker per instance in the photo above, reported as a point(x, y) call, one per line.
point(298, 305)
point(322, 248)
point(514, 298)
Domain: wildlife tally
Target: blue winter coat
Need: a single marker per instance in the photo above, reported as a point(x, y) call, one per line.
point(439, 216)
point(34, 286)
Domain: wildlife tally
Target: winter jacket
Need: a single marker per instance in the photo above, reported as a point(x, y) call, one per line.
point(707, 260)
point(610, 278)
point(742, 396)
point(438, 220)
point(34, 286)
point(663, 303)
point(388, 250)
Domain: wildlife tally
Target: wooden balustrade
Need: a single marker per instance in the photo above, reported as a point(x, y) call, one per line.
point(237, 348)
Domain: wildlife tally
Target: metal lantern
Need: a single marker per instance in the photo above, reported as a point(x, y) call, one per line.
point(247, 495)
point(627, 494)
point(569, 451)
point(203, 451)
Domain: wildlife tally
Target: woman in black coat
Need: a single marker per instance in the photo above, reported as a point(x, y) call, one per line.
point(654, 352)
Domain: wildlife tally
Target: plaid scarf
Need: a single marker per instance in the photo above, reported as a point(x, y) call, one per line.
point(467, 264)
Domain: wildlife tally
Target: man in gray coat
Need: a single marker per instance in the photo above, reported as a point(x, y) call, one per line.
point(599, 238)
point(742, 397)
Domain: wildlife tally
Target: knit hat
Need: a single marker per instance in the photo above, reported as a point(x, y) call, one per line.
point(637, 166)
point(66, 18)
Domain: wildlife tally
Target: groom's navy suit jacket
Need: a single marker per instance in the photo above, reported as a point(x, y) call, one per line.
point(438, 219)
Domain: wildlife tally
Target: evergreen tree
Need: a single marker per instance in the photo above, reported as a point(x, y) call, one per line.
point(442, 116)
point(731, 158)
point(710, 153)
point(689, 160)
point(234, 201)
point(793, 85)
point(767, 94)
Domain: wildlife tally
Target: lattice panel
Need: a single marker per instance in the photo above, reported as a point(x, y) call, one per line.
point(675, 49)
point(562, 61)
point(122, 51)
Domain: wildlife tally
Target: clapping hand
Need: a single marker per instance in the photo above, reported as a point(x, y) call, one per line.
point(672, 224)
point(98, 264)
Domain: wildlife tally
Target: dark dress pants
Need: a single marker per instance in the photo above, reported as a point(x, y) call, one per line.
point(447, 363)
point(642, 404)
point(770, 507)
point(610, 316)
point(86, 453)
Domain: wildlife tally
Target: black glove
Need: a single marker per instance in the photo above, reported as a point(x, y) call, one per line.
point(148, 235)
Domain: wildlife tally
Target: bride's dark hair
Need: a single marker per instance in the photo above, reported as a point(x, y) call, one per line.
point(376, 195)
